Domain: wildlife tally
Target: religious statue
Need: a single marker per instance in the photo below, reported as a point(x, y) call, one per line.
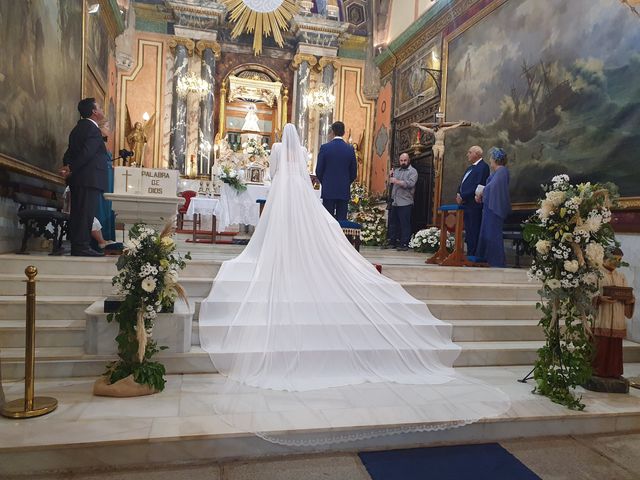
point(438, 131)
point(357, 148)
point(251, 120)
point(137, 137)
point(614, 303)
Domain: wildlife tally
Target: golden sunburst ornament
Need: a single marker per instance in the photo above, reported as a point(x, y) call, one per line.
point(263, 17)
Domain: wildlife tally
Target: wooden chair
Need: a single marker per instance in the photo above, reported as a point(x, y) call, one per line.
point(187, 195)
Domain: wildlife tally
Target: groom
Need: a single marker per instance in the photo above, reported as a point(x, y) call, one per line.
point(336, 170)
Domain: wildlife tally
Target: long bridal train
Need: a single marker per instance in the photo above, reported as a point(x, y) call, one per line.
point(311, 336)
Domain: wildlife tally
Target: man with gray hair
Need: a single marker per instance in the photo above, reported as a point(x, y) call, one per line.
point(476, 174)
point(403, 185)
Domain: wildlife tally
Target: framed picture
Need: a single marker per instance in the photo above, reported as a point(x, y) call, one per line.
point(97, 47)
point(546, 82)
point(415, 85)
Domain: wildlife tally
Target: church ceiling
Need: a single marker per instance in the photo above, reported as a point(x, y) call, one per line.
point(160, 16)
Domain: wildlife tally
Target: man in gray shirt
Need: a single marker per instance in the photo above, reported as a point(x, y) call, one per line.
point(403, 185)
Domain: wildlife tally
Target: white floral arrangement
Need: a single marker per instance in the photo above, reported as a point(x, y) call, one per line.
point(253, 148)
point(374, 227)
point(428, 240)
point(229, 174)
point(147, 278)
point(569, 232)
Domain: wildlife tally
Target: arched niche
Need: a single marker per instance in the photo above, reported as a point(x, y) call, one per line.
point(246, 86)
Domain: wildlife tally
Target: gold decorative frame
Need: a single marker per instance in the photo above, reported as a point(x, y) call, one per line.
point(281, 97)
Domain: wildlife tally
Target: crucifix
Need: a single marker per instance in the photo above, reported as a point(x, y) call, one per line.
point(126, 176)
point(438, 131)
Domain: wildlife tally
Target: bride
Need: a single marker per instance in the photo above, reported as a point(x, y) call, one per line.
point(300, 310)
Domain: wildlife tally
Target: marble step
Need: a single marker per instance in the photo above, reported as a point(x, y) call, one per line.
point(467, 331)
point(11, 264)
point(72, 308)
point(96, 285)
point(49, 333)
point(484, 309)
point(89, 285)
point(71, 333)
point(73, 362)
point(88, 436)
point(61, 307)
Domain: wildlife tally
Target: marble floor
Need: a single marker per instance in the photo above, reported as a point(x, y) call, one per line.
point(179, 424)
point(584, 457)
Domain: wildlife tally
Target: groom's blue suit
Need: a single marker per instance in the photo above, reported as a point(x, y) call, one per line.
point(336, 169)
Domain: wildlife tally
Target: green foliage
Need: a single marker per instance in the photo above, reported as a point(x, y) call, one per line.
point(569, 233)
point(148, 280)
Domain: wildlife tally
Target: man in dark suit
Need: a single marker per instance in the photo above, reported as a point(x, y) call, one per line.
point(88, 176)
point(336, 169)
point(476, 174)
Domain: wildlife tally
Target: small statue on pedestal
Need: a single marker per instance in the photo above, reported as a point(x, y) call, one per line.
point(137, 136)
point(614, 303)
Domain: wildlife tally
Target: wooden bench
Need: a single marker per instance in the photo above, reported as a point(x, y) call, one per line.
point(42, 216)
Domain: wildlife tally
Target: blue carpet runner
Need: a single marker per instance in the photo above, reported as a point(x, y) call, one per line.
point(487, 461)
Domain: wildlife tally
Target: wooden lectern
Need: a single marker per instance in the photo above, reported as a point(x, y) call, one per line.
point(457, 257)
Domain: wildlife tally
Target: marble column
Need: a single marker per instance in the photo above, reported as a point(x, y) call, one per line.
point(209, 51)
point(302, 63)
point(182, 49)
point(326, 119)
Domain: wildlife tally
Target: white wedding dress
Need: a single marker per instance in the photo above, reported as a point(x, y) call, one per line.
point(301, 322)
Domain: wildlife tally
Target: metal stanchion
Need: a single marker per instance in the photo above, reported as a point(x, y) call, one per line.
point(30, 406)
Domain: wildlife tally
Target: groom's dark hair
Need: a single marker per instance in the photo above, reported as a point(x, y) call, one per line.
point(338, 129)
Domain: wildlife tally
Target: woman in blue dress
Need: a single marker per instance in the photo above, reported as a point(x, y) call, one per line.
point(104, 213)
point(496, 206)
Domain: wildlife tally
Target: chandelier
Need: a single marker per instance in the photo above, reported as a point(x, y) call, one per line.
point(320, 99)
point(192, 84)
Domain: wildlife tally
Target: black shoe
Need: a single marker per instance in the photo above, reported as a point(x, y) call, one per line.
point(402, 248)
point(388, 245)
point(87, 253)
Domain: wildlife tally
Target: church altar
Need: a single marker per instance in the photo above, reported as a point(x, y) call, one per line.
point(232, 207)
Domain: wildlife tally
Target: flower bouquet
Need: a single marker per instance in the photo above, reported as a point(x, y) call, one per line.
point(229, 175)
point(253, 148)
point(428, 240)
point(147, 278)
point(569, 232)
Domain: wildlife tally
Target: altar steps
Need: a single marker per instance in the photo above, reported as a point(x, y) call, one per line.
point(70, 333)
point(62, 362)
point(493, 311)
point(100, 285)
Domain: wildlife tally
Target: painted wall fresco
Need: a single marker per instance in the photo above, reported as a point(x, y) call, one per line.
point(40, 79)
point(556, 84)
